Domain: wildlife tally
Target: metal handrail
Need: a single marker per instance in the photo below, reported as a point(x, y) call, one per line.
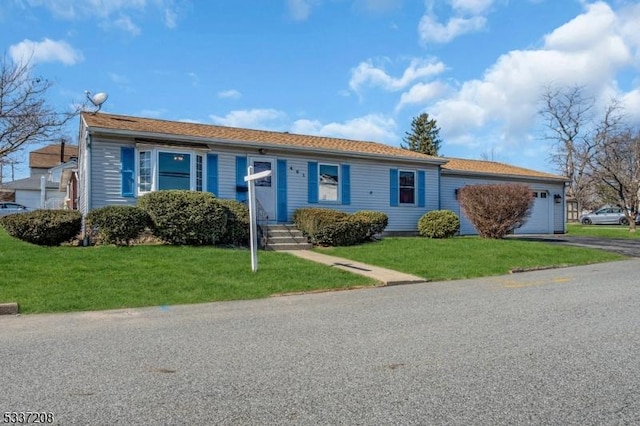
point(262, 220)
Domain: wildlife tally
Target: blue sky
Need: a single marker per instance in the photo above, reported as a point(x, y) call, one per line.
point(359, 69)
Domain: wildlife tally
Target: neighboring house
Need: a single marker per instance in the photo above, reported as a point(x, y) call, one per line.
point(48, 163)
point(123, 157)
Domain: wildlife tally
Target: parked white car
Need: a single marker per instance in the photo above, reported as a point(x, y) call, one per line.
point(604, 216)
point(7, 208)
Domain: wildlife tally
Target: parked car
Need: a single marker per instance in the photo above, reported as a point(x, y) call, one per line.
point(7, 208)
point(605, 215)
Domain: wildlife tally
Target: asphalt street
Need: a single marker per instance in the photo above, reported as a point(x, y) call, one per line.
point(558, 346)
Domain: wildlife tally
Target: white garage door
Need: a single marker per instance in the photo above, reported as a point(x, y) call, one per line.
point(28, 198)
point(540, 220)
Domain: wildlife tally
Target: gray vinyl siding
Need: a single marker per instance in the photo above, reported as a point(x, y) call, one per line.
point(106, 186)
point(226, 174)
point(369, 184)
point(369, 190)
point(547, 217)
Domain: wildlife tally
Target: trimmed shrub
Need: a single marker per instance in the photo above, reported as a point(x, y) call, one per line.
point(439, 224)
point(376, 221)
point(44, 227)
point(117, 224)
point(496, 210)
point(329, 227)
point(342, 232)
point(185, 217)
point(237, 229)
point(310, 220)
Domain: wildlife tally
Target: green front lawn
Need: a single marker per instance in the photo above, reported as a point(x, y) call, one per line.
point(466, 257)
point(61, 279)
point(602, 231)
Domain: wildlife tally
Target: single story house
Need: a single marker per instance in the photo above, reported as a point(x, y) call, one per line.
point(44, 188)
point(124, 157)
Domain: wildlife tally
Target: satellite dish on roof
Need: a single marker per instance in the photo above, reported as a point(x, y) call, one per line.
point(97, 100)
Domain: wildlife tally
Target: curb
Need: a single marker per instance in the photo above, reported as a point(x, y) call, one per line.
point(9, 308)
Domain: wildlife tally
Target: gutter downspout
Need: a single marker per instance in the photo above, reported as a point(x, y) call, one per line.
point(439, 188)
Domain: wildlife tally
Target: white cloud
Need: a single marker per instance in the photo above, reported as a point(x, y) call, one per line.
point(32, 52)
point(474, 7)
point(105, 10)
point(125, 23)
point(466, 16)
point(366, 73)
point(422, 93)
point(433, 31)
point(118, 79)
point(631, 103)
point(583, 31)
point(73, 9)
point(373, 127)
point(170, 18)
point(230, 94)
point(300, 10)
point(195, 80)
point(266, 119)
point(507, 96)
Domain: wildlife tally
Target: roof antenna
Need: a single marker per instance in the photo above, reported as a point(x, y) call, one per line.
point(97, 100)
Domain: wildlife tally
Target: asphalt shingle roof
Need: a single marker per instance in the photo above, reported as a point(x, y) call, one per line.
point(49, 156)
point(221, 133)
point(495, 168)
point(147, 125)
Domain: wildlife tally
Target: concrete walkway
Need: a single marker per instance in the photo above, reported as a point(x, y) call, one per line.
point(386, 276)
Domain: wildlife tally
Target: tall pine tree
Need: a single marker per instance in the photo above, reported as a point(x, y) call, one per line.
point(424, 136)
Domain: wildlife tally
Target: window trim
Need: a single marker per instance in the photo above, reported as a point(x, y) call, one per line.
point(415, 187)
point(338, 186)
point(155, 155)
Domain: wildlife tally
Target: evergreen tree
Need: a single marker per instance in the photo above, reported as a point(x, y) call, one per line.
point(424, 136)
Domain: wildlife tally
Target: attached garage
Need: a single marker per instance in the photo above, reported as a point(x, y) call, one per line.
point(548, 213)
point(541, 220)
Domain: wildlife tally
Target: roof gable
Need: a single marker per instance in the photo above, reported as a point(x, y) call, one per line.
point(49, 156)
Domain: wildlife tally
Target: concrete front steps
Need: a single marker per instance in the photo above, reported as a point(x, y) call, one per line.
point(286, 237)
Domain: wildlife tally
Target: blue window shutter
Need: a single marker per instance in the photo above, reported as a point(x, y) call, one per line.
point(242, 192)
point(281, 196)
point(421, 179)
point(394, 192)
point(312, 176)
point(128, 160)
point(212, 174)
point(345, 175)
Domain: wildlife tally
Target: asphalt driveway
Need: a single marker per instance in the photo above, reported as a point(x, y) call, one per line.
point(546, 347)
point(627, 247)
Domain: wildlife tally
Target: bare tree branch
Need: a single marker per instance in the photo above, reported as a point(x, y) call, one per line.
point(25, 116)
point(568, 114)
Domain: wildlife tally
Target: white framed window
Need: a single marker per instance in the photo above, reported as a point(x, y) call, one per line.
point(407, 186)
point(145, 174)
point(199, 173)
point(163, 169)
point(328, 182)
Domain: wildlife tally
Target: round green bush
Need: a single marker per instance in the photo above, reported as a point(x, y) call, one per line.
point(439, 224)
point(376, 221)
point(348, 231)
point(44, 227)
point(237, 229)
point(117, 224)
point(185, 217)
point(309, 220)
